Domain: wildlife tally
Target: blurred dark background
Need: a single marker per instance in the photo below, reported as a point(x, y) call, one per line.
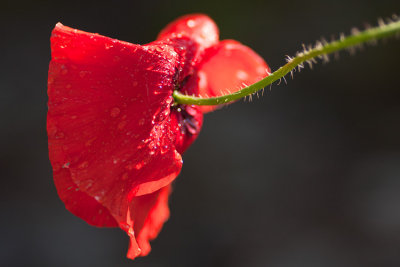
point(308, 175)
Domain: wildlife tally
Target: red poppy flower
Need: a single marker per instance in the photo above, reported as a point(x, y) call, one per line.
point(115, 135)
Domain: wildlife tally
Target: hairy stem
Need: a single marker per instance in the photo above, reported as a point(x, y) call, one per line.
point(308, 55)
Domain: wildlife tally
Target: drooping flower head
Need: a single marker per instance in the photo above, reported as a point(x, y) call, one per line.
point(115, 135)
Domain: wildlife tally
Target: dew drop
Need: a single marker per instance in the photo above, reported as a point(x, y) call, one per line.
point(115, 112)
point(66, 165)
point(108, 46)
point(138, 166)
point(191, 23)
point(242, 75)
point(121, 125)
point(164, 149)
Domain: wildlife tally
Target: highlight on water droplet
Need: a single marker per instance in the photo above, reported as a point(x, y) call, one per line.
point(191, 23)
point(108, 46)
point(138, 166)
point(66, 165)
point(242, 75)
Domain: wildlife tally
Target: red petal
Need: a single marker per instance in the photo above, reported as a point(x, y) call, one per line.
point(198, 27)
point(108, 120)
point(81, 204)
point(227, 68)
point(147, 215)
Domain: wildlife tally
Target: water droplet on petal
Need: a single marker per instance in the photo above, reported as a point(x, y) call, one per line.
point(122, 125)
point(66, 165)
point(115, 112)
point(191, 23)
point(242, 75)
point(138, 166)
point(164, 149)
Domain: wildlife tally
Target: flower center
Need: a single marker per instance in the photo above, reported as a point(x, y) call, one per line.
point(186, 123)
point(187, 119)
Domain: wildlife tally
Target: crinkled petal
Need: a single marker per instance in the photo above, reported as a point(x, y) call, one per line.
point(146, 216)
point(81, 204)
point(108, 121)
point(227, 68)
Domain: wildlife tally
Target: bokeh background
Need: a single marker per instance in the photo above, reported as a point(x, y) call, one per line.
point(308, 175)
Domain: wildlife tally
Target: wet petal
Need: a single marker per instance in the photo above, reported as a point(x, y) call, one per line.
point(147, 215)
point(227, 68)
point(81, 204)
point(198, 27)
point(109, 106)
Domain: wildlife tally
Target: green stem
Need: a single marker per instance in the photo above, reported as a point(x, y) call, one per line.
point(319, 50)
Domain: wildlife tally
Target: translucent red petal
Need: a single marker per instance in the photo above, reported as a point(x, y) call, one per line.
point(227, 68)
point(197, 27)
point(148, 214)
